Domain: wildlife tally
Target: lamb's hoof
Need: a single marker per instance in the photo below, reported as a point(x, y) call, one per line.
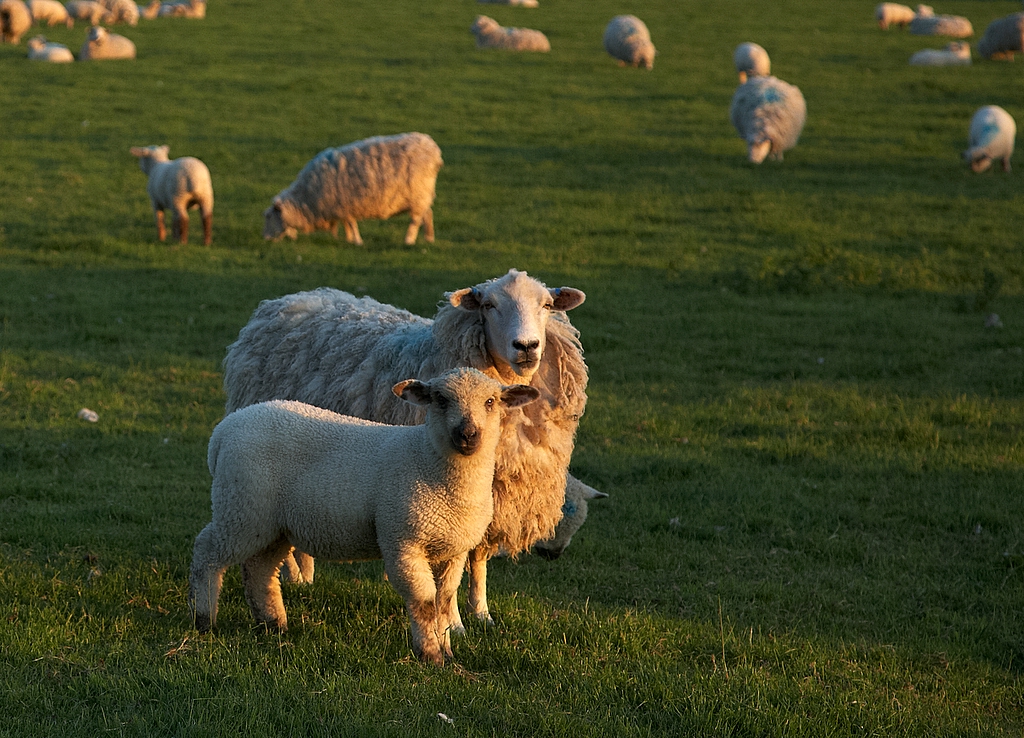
point(457, 629)
point(485, 618)
point(203, 624)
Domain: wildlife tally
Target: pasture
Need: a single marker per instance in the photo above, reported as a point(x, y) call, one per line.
point(812, 444)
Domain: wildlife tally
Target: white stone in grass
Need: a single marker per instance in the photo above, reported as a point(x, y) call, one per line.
point(88, 415)
point(445, 719)
point(992, 321)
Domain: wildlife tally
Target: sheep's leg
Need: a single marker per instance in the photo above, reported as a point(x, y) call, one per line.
point(263, 587)
point(478, 584)
point(428, 225)
point(180, 225)
point(352, 232)
point(447, 576)
point(161, 229)
point(206, 578)
point(207, 226)
point(297, 567)
point(412, 231)
point(1006, 163)
point(334, 230)
point(410, 574)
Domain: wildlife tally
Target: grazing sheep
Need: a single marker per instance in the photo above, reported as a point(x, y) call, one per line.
point(953, 26)
point(87, 10)
point(178, 185)
point(121, 11)
point(102, 44)
point(490, 35)
point(15, 20)
point(956, 53)
point(517, 3)
point(331, 349)
point(892, 14)
point(574, 514)
point(50, 12)
point(194, 9)
point(287, 473)
point(1003, 38)
point(373, 178)
point(40, 50)
point(627, 39)
point(769, 115)
point(992, 136)
point(751, 60)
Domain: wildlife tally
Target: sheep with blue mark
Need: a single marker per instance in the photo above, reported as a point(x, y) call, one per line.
point(769, 115)
point(992, 136)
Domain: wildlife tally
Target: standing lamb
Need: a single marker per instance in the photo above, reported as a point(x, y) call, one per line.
point(287, 473)
point(953, 26)
point(751, 60)
point(892, 14)
point(40, 50)
point(627, 39)
point(15, 20)
point(331, 349)
point(102, 44)
point(769, 115)
point(992, 136)
point(1003, 38)
point(50, 12)
point(179, 186)
point(374, 178)
point(490, 35)
point(87, 10)
point(956, 53)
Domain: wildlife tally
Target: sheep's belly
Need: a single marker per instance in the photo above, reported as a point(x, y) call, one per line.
point(349, 546)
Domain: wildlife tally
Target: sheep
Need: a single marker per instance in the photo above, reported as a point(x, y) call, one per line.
point(953, 26)
point(40, 50)
point(956, 53)
point(769, 115)
point(1003, 38)
point(179, 185)
point(892, 14)
point(374, 178)
point(490, 35)
point(627, 39)
point(15, 20)
point(574, 514)
point(751, 60)
point(102, 44)
point(86, 10)
point(331, 349)
point(287, 473)
point(991, 137)
point(194, 9)
point(121, 11)
point(51, 12)
point(517, 3)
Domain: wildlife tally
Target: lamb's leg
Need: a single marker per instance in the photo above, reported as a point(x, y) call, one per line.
point(428, 225)
point(181, 225)
point(478, 584)
point(410, 574)
point(206, 578)
point(297, 567)
point(352, 232)
point(263, 587)
point(1006, 163)
point(447, 576)
point(161, 229)
point(412, 231)
point(207, 227)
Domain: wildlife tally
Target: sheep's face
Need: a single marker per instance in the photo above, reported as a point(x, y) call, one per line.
point(515, 310)
point(464, 408)
point(574, 514)
point(37, 43)
point(149, 155)
point(979, 163)
point(483, 24)
point(97, 35)
point(274, 227)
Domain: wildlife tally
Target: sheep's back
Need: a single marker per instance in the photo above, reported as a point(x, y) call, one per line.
point(766, 108)
point(1003, 35)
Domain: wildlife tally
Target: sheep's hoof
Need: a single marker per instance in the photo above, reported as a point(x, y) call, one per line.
point(203, 623)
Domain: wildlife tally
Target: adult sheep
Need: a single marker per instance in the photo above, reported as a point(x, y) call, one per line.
point(86, 10)
point(954, 26)
point(15, 20)
point(956, 53)
point(491, 35)
point(334, 350)
point(992, 136)
point(39, 49)
point(627, 39)
point(892, 14)
point(102, 44)
point(1003, 38)
point(769, 115)
point(50, 12)
point(374, 178)
point(751, 60)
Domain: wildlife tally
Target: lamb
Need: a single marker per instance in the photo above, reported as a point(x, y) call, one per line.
point(178, 185)
point(956, 53)
point(517, 3)
point(751, 60)
point(992, 136)
point(490, 35)
point(627, 39)
point(15, 20)
point(102, 44)
point(769, 115)
point(374, 178)
point(121, 11)
point(50, 12)
point(953, 26)
point(1003, 38)
point(40, 50)
point(331, 349)
point(86, 10)
point(892, 14)
point(287, 473)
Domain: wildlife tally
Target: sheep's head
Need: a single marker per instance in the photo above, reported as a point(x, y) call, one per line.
point(274, 226)
point(483, 24)
point(979, 162)
point(515, 310)
point(464, 407)
point(574, 513)
point(37, 43)
point(97, 35)
point(150, 155)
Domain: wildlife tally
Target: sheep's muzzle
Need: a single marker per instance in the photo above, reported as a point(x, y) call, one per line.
point(466, 438)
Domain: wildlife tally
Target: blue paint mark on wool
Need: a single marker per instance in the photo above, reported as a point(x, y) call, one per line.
point(568, 509)
point(988, 132)
point(771, 95)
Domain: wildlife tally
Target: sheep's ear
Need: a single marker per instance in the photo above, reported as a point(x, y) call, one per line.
point(589, 493)
point(566, 298)
point(276, 205)
point(516, 395)
point(165, 149)
point(467, 299)
point(138, 151)
point(414, 391)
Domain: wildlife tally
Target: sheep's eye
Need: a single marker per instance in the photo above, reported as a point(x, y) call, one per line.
point(490, 403)
point(441, 401)
point(548, 305)
point(488, 306)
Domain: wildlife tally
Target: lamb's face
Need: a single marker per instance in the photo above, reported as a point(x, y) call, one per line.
point(274, 227)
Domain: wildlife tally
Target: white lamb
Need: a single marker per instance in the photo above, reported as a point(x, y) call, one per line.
point(953, 26)
point(87, 10)
point(374, 178)
point(490, 35)
point(517, 3)
point(892, 14)
point(291, 474)
point(41, 50)
point(178, 186)
point(992, 136)
point(121, 11)
point(50, 12)
point(627, 39)
point(751, 60)
point(769, 115)
point(1003, 38)
point(956, 53)
point(102, 44)
point(334, 350)
point(15, 20)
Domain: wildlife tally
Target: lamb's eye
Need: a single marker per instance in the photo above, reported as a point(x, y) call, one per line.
point(549, 305)
point(490, 403)
point(488, 306)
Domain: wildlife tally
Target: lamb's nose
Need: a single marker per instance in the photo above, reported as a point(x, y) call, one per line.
point(467, 439)
point(526, 345)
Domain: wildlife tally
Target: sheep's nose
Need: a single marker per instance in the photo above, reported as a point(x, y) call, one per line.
point(526, 345)
point(467, 439)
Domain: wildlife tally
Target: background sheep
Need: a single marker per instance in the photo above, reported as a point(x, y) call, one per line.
point(86, 10)
point(15, 20)
point(992, 136)
point(1003, 38)
point(102, 44)
point(517, 3)
point(627, 39)
point(769, 115)
point(179, 186)
point(490, 35)
point(195, 9)
point(751, 60)
point(953, 26)
point(331, 349)
point(51, 12)
point(40, 50)
point(288, 473)
point(574, 514)
point(956, 53)
point(892, 14)
point(121, 11)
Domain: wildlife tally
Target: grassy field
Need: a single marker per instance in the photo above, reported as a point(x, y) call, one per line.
point(813, 445)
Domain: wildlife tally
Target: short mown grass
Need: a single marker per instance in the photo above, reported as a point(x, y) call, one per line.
point(811, 442)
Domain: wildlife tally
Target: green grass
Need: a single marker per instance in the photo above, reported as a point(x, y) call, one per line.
point(812, 444)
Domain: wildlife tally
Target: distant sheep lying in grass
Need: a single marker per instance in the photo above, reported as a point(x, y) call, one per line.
point(627, 39)
point(956, 53)
point(953, 26)
point(289, 474)
point(893, 14)
point(41, 50)
point(992, 136)
point(102, 44)
point(517, 3)
point(121, 11)
point(178, 186)
point(490, 35)
point(50, 12)
point(373, 178)
point(194, 9)
point(87, 10)
point(1003, 38)
point(15, 20)
point(751, 60)
point(769, 115)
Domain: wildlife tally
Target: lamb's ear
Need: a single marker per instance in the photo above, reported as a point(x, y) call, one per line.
point(516, 395)
point(566, 298)
point(467, 299)
point(414, 391)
